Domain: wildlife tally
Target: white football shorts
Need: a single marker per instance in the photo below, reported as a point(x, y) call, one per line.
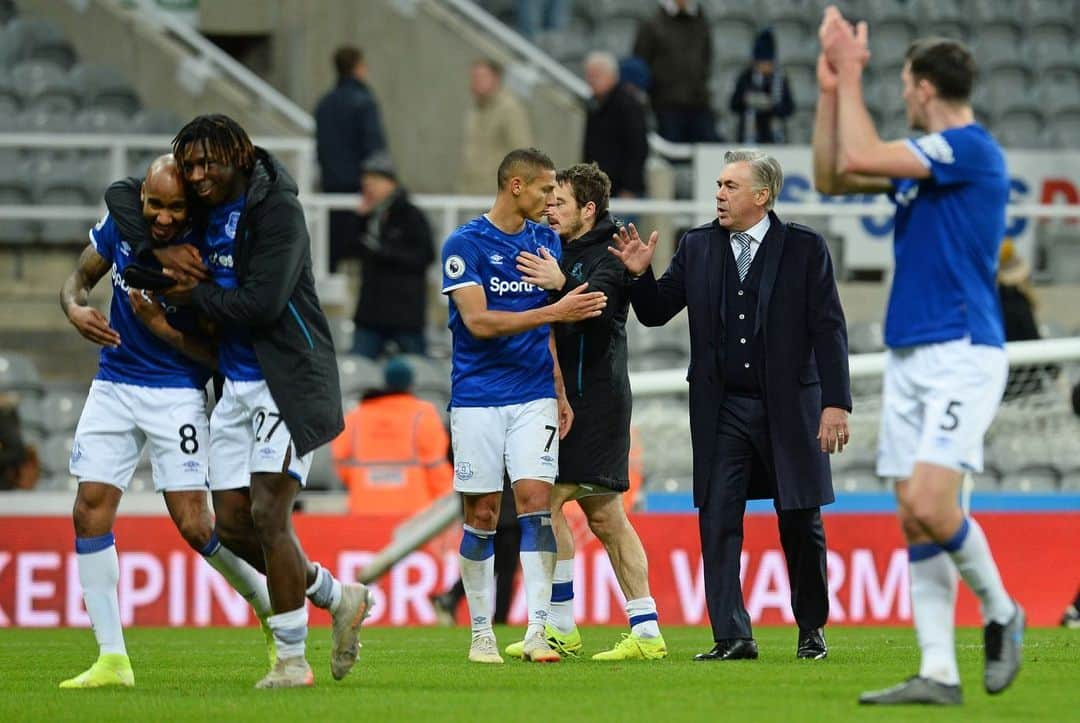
point(523, 439)
point(938, 402)
point(248, 435)
point(118, 420)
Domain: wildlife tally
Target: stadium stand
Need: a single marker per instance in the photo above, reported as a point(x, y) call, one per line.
point(1017, 45)
point(1031, 98)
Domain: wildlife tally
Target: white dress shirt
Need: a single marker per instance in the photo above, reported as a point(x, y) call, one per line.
point(757, 232)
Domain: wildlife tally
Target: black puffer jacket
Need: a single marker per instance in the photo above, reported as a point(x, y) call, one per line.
point(275, 299)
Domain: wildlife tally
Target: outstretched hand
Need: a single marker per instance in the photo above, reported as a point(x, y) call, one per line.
point(628, 247)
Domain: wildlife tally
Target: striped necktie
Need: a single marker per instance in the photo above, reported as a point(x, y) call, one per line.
point(743, 262)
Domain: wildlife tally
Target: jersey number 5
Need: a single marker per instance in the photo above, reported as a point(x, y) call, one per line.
point(952, 421)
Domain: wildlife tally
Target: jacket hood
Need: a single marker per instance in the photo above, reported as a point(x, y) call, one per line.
point(269, 175)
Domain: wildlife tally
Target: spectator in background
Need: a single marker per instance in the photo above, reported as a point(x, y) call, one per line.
point(19, 466)
point(635, 77)
point(392, 455)
point(347, 132)
point(1018, 312)
point(615, 127)
point(762, 96)
point(495, 125)
point(676, 45)
point(1017, 296)
point(536, 15)
point(396, 247)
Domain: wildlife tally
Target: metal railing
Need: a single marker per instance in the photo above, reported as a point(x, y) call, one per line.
point(447, 211)
point(209, 58)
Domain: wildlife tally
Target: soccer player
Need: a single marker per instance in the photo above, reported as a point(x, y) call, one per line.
point(281, 398)
point(946, 365)
point(508, 407)
point(594, 456)
point(145, 393)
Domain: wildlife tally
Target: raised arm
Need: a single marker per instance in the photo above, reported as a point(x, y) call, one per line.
point(74, 296)
point(655, 301)
point(859, 148)
point(827, 176)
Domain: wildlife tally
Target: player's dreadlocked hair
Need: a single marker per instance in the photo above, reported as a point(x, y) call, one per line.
point(223, 137)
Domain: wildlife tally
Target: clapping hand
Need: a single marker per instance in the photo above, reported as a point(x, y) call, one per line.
point(841, 42)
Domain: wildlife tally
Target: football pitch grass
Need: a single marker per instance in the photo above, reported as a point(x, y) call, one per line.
point(421, 674)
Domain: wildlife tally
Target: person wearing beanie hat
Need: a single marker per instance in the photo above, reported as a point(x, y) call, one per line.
point(395, 247)
point(392, 456)
point(397, 375)
point(762, 97)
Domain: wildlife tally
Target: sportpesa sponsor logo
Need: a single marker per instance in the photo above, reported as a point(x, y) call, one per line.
point(118, 279)
point(501, 286)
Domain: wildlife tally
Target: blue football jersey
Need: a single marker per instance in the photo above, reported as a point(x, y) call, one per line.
point(142, 359)
point(509, 369)
point(236, 355)
point(949, 229)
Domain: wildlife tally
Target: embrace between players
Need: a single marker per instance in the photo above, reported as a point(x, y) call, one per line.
point(540, 389)
point(223, 219)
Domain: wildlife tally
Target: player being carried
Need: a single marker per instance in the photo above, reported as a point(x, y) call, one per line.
point(946, 366)
point(594, 456)
point(145, 394)
point(508, 407)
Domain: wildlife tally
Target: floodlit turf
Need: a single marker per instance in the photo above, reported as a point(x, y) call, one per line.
point(421, 674)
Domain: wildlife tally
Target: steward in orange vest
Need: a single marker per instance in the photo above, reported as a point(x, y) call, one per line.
point(392, 454)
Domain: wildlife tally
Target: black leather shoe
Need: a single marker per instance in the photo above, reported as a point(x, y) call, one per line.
point(812, 645)
point(737, 649)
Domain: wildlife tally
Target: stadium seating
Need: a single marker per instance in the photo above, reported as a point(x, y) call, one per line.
point(1016, 45)
point(45, 89)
